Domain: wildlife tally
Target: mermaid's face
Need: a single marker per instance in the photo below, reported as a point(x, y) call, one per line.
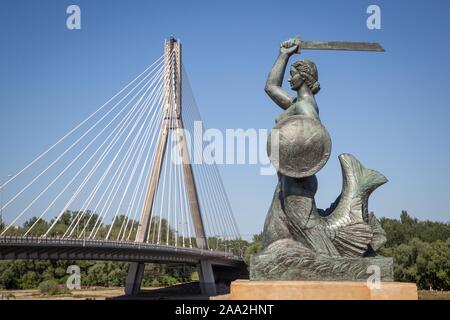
point(295, 80)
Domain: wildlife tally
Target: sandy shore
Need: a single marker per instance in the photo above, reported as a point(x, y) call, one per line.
point(176, 292)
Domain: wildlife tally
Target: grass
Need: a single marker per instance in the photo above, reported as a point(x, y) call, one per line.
point(97, 293)
point(434, 295)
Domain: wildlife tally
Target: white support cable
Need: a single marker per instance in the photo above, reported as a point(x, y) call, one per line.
point(141, 145)
point(177, 183)
point(172, 111)
point(133, 199)
point(232, 216)
point(229, 217)
point(97, 187)
point(139, 190)
point(172, 125)
point(120, 177)
point(94, 192)
point(206, 200)
point(142, 182)
point(130, 179)
point(114, 181)
point(165, 163)
point(217, 176)
point(134, 194)
point(128, 212)
point(62, 173)
point(186, 207)
point(65, 188)
point(190, 229)
point(218, 210)
point(85, 180)
point(141, 198)
point(188, 213)
point(152, 221)
point(221, 197)
point(73, 145)
point(175, 186)
point(217, 224)
point(166, 155)
point(111, 180)
point(209, 215)
point(168, 208)
point(152, 139)
point(161, 203)
point(77, 127)
point(176, 167)
point(181, 190)
point(222, 213)
point(189, 223)
point(223, 220)
point(144, 186)
point(227, 202)
point(179, 168)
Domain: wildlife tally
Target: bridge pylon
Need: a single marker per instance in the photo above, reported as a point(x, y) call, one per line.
point(172, 121)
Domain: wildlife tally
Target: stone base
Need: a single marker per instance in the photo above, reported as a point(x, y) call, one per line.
point(320, 290)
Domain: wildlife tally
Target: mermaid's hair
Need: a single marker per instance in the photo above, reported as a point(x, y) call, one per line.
point(308, 72)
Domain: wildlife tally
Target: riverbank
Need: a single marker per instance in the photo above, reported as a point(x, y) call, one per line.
point(176, 292)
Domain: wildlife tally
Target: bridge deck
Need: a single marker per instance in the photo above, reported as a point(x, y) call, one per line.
point(81, 249)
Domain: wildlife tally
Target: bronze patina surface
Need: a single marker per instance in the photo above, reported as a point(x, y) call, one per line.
point(304, 146)
point(300, 241)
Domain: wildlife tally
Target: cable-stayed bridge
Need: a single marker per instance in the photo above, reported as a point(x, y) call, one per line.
point(122, 185)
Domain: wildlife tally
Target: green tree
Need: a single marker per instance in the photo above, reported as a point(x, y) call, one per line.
point(8, 279)
point(407, 228)
point(29, 280)
point(2, 224)
point(97, 275)
point(253, 248)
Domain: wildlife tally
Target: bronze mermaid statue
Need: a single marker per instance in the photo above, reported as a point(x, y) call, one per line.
point(301, 241)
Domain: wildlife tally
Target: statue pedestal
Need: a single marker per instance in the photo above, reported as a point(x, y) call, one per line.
point(320, 290)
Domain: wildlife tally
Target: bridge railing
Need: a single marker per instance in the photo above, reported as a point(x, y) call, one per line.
point(110, 243)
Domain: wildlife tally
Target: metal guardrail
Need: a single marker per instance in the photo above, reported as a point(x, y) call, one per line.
point(113, 244)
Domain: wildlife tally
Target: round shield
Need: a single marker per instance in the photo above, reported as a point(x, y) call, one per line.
point(299, 146)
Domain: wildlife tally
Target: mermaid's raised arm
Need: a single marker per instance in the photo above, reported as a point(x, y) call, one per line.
point(274, 81)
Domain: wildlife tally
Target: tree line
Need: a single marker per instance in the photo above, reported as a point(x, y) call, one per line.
point(28, 274)
point(420, 249)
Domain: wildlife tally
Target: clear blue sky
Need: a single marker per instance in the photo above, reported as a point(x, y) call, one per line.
point(390, 110)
